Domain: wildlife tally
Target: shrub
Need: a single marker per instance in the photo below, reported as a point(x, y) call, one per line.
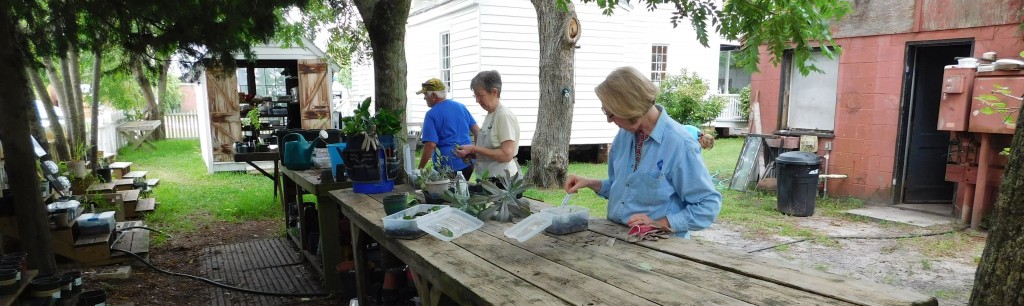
point(745, 101)
point(685, 98)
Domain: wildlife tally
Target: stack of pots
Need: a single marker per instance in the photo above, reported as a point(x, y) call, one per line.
point(12, 267)
point(46, 288)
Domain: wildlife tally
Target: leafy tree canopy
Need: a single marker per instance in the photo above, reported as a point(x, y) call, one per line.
point(779, 25)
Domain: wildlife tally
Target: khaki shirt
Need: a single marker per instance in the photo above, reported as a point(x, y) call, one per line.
point(499, 126)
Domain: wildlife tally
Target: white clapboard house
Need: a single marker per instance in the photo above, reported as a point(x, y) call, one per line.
point(455, 39)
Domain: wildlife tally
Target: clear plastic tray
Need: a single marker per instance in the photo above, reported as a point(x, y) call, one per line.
point(568, 219)
point(448, 224)
point(396, 226)
point(529, 227)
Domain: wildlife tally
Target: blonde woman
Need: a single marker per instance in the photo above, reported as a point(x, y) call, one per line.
point(656, 175)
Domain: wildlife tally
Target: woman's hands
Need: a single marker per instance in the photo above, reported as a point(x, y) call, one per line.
point(644, 219)
point(465, 150)
point(575, 183)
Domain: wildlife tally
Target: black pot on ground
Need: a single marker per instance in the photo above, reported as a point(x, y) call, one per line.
point(92, 298)
point(105, 174)
point(76, 280)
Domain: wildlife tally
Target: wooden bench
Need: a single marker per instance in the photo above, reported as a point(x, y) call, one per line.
point(599, 266)
point(119, 169)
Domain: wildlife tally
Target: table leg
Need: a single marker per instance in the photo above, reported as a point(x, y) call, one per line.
point(327, 213)
point(277, 174)
point(359, 239)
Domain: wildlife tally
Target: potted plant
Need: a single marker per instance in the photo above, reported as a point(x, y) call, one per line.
point(369, 139)
point(507, 200)
point(252, 121)
point(77, 162)
point(104, 173)
point(436, 178)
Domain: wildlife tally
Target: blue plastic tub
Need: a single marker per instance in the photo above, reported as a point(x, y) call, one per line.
point(374, 188)
point(334, 150)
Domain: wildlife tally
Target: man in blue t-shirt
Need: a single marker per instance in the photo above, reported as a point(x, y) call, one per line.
point(447, 123)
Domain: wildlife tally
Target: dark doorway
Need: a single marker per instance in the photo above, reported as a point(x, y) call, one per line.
point(923, 148)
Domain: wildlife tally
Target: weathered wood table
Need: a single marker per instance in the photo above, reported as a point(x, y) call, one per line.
point(598, 267)
point(139, 132)
point(251, 158)
point(296, 183)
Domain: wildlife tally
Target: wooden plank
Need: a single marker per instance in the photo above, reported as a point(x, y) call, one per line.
point(576, 250)
point(120, 165)
point(135, 174)
point(830, 285)
point(130, 195)
point(314, 94)
point(88, 240)
point(100, 188)
point(152, 182)
point(618, 284)
point(145, 205)
point(464, 277)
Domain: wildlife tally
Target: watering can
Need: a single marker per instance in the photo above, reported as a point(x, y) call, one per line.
point(298, 153)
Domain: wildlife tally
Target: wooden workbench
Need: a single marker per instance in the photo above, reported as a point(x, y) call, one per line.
point(598, 267)
point(296, 183)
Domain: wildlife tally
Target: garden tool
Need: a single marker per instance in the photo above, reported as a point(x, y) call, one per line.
point(646, 232)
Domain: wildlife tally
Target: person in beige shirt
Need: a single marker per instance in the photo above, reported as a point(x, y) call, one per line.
point(497, 143)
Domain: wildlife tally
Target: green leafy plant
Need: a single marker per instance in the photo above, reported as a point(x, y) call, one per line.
point(994, 104)
point(474, 205)
point(253, 120)
point(745, 101)
point(506, 205)
point(685, 98)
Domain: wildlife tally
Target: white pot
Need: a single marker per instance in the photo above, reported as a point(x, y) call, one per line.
point(78, 168)
point(436, 188)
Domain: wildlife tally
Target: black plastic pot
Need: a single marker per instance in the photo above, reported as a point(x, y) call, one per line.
point(8, 280)
point(393, 166)
point(76, 280)
point(92, 298)
point(105, 174)
point(242, 147)
point(67, 282)
point(46, 287)
point(262, 147)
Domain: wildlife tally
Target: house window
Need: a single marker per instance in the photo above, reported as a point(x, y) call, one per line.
point(809, 102)
point(446, 61)
point(659, 62)
point(269, 81)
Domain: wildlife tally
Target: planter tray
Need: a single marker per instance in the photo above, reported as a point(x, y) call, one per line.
point(135, 174)
point(100, 188)
point(145, 205)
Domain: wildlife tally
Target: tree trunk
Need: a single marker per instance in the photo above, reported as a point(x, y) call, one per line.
point(998, 280)
point(550, 149)
point(153, 111)
point(60, 139)
point(33, 228)
point(161, 95)
point(385, 22)
point(97, 74)
point(76, 89)
point(71, 112)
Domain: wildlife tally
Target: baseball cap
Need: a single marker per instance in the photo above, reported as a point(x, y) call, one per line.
point(433, 84)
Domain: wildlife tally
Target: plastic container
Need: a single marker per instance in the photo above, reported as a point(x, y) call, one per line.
point(798, 183)
point(529, 227)
point(373, 188)
point(96, 224)
point(567, 219)
point(334, 150)
point(396, 226)
point(448, 224)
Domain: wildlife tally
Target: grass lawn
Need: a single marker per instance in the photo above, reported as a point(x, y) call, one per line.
point(189, 197)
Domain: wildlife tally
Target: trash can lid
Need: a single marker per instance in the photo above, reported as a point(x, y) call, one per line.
point(798, 158)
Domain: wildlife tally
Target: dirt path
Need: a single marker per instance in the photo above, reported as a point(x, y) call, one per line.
point(942, 266)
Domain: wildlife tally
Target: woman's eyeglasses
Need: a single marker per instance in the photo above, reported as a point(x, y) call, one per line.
point(607, 114)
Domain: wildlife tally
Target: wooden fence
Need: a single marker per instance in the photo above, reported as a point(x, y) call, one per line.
point(181, 125)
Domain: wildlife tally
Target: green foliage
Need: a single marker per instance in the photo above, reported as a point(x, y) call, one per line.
point(506, 205)
point(360, 121)
point(253, 119)
point(745, 101)
point(385, 122)
point(685, 98)
point(778, 25)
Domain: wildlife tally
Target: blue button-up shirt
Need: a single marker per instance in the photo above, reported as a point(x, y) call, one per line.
point(670, 181)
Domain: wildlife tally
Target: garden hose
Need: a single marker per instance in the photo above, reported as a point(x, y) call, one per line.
point(864, 237)
point(222, 285)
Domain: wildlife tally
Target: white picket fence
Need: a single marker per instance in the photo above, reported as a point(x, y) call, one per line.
point(107, 137)
point(181, 125)
point(731, 112)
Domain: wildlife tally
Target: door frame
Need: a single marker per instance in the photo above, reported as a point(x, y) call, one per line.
point(907, 106)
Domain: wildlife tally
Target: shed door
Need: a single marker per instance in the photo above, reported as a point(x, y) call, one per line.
point(314, 94)
point(225, 119)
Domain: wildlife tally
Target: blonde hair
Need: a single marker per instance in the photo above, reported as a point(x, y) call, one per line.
point(627, 93)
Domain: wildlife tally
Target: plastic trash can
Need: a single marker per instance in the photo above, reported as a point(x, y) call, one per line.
point(798, 183)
